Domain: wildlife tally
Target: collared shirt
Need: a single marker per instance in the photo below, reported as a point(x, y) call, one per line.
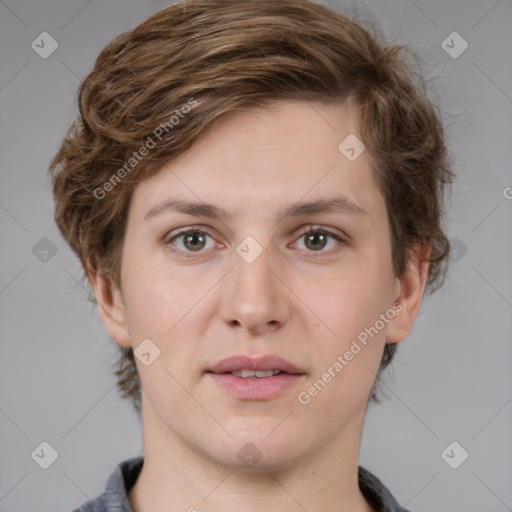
point(120, 482)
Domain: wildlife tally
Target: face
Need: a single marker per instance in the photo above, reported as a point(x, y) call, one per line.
point(262, 240)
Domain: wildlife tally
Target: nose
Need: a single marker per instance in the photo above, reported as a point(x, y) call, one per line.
point(253, 298)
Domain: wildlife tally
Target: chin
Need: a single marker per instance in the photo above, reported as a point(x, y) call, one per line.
point(255, 450)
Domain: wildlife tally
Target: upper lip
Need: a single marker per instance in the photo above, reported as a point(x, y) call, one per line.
point(244, 362)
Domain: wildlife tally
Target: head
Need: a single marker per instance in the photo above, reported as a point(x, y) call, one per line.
point(243, 105)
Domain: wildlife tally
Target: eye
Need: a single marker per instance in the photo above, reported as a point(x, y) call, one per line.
point(318, 239)
point(190, 241)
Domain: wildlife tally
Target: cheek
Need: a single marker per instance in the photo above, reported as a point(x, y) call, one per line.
point(349, 333)
point(148, 307)
point(348, 360)
point(155, 292)
point(169, 308)
point(338, 392)
point(350, 299)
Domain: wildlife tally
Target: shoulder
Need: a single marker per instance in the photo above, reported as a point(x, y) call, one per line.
point(119, 483)
point(376, 493)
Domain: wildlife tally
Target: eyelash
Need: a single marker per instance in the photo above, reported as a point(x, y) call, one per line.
point(308, 230)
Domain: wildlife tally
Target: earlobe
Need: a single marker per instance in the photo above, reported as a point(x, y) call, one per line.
point(110, 307)
point(409, 294)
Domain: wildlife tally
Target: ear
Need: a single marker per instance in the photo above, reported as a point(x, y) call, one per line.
point(111, 307)
point(409, 291)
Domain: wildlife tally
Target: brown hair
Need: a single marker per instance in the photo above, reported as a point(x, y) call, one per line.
point(164, 84)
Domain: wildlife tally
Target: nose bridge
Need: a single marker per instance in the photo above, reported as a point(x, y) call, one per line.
point(254, 298)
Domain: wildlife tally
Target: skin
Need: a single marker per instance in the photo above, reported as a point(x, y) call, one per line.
point(303, 301)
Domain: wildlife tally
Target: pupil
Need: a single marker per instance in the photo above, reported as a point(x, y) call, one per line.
point(316, 241)
point(194, 241)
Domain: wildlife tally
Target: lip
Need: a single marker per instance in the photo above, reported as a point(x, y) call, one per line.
point(241, 362)
point(255, 388)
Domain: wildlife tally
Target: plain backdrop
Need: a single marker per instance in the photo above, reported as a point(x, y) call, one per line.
point(451, 380)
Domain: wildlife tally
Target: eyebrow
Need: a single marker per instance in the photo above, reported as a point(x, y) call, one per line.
point(201, 209)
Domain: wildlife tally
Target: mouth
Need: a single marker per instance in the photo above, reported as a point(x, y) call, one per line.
point(255, 378)
point(259, 367)
point(251, 374)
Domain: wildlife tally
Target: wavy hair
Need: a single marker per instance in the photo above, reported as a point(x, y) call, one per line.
point(229, 54)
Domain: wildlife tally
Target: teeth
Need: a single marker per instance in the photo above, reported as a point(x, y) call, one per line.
point(255, 373)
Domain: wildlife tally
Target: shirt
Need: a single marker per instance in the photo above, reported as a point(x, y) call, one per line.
point(123, 478)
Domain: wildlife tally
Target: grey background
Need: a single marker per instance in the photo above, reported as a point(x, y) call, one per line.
point(451, 380)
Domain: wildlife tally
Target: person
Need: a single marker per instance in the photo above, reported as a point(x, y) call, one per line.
point(255, 193)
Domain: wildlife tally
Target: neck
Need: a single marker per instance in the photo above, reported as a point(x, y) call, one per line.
point(178, 476)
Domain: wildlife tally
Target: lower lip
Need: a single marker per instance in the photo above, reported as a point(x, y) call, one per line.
point(256, 388)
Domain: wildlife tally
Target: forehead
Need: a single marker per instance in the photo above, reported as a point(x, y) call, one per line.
point(275, 155)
